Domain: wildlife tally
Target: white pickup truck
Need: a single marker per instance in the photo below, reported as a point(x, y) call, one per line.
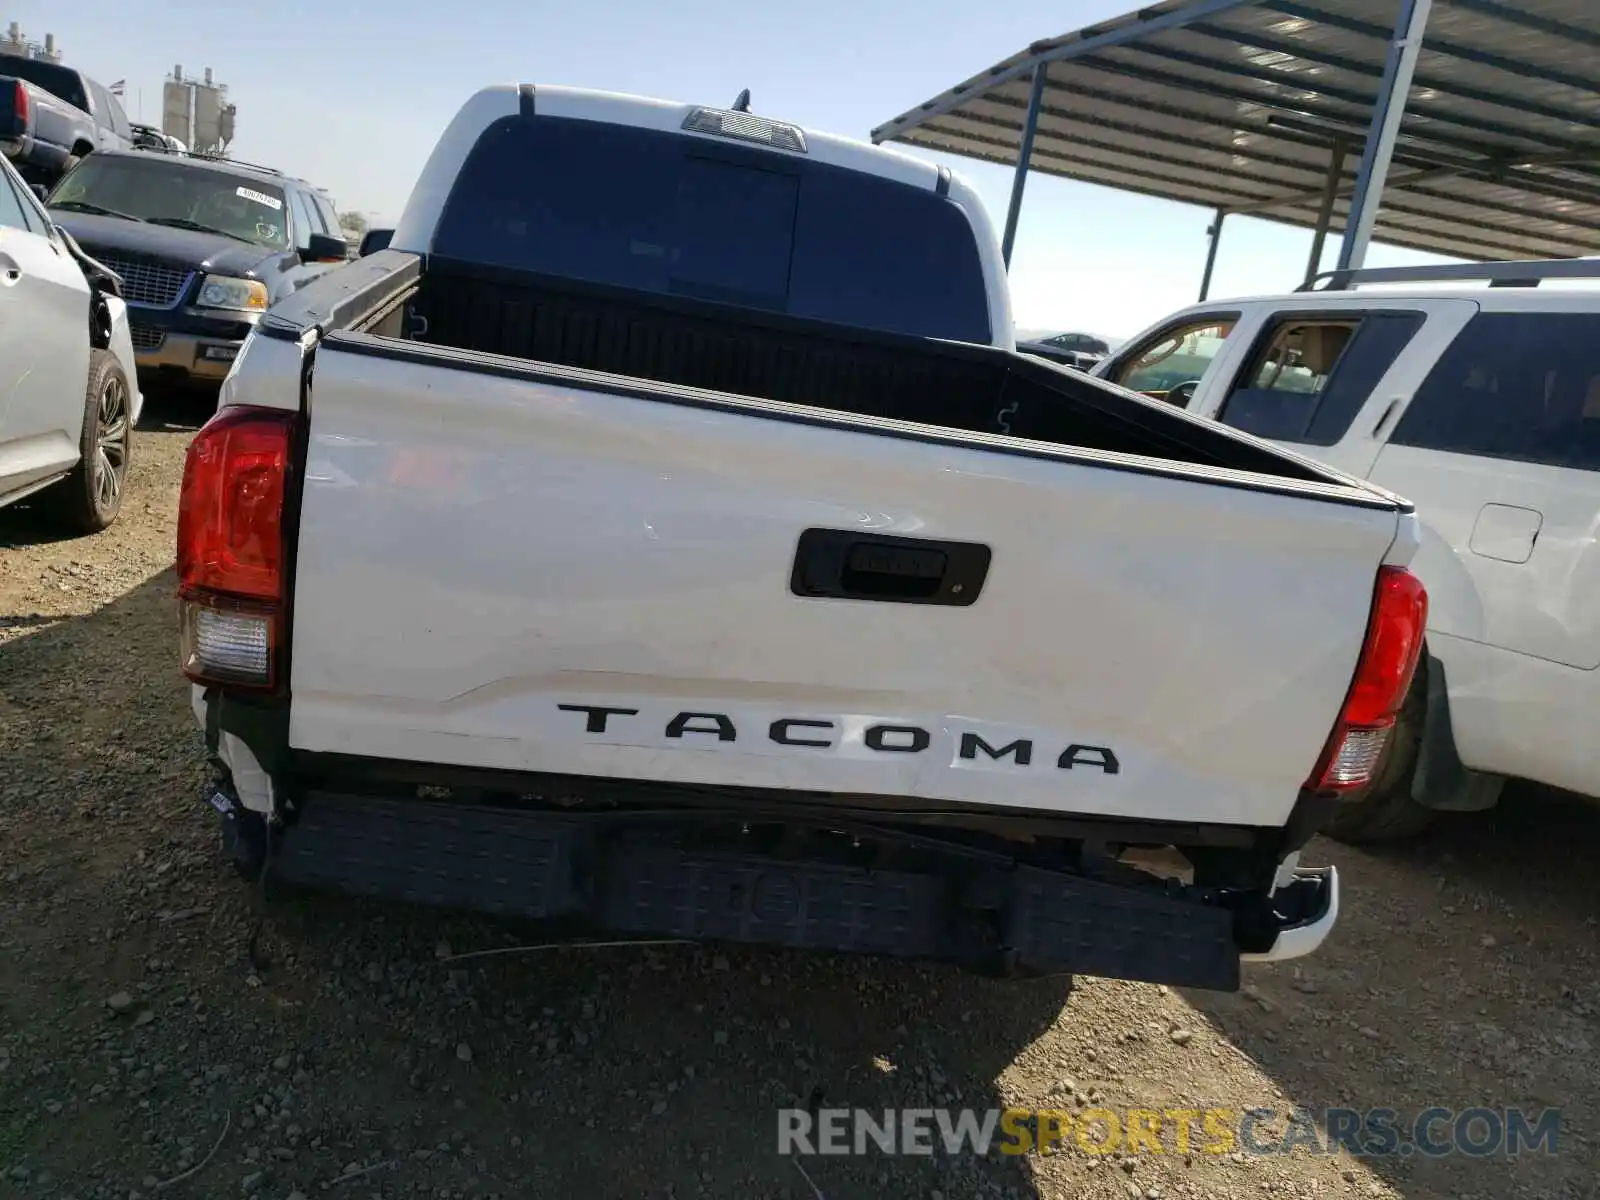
point(664, 534)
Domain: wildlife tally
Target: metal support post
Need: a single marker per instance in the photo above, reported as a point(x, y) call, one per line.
point(1325, 213)
point(1030, 126)
point(1215, 234)
point(1398, 68)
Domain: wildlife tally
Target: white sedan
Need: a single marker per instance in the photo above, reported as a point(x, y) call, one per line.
point(69, 395)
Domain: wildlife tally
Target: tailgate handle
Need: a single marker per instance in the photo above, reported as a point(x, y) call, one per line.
point(842, 564)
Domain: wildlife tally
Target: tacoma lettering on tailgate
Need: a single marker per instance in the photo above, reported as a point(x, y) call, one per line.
point(820, 733)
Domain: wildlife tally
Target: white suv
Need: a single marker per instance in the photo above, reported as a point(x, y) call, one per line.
point(69, 395)
point(1481, 405)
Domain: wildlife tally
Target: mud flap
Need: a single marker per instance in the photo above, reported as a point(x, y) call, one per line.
point(244, 833)
point(1441, 780)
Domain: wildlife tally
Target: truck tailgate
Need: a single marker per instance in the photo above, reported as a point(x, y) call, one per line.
point(494, 572)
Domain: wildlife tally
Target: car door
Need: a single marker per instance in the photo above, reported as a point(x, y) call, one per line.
point(1327, 378)
point(1500, 451)
point(44, 344)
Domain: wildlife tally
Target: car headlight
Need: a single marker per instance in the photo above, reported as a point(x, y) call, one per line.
point(242, 295)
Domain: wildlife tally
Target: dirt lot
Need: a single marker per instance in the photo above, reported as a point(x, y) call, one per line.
point(138, 1044)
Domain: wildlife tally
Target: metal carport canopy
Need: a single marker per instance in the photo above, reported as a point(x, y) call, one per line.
point(1265, 106)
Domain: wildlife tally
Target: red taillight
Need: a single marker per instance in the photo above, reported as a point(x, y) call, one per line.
point(1383, 676)
point(231, 514)
point(19, 106)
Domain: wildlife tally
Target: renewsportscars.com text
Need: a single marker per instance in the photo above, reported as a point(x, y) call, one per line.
point(1365, 1133)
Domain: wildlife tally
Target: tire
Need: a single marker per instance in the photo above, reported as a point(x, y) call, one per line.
point(89, 499)
point(1385, 811)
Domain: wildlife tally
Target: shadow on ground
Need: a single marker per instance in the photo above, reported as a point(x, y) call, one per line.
point(1463, 974)
point(168, 408)
point(606, 1073)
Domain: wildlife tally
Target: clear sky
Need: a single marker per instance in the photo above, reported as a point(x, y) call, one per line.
point(354, 102)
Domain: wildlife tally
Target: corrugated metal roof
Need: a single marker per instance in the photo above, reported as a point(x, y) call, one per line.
point(1238, 104)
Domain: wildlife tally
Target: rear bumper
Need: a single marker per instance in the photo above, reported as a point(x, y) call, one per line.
point(1313, 920)
point(642, 879)
point(28, 154)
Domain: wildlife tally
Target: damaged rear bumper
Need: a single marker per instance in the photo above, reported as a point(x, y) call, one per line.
point(641, 880)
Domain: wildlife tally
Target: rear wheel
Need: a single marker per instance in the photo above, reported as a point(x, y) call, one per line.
point(89, 499)
point(1385, 811)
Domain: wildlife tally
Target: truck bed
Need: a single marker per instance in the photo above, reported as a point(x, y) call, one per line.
point(629, 576)
point(693, 344)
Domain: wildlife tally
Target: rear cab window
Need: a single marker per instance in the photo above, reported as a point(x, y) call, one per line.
point(57, 80)
point(678, 215)
point(1523, 386)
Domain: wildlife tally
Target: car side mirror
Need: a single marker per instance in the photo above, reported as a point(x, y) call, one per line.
point(324, 247)
point(375, 240)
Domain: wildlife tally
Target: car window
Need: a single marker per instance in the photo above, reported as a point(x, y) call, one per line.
point(304, 225)
point(14, 191)
point(1309, 377)
point(13, 212)
point(1175, 355)
point(330, 218)
point(119, 116)
point(102, 105)
point(1522, 386)
point(163, 190)
point(313, 210)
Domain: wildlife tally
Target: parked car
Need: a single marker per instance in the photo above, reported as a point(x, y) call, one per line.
point(52, 117)
point(1079, 350)
point(204, 246)
point(68, 396)
point(657, 553)
point(148, 137)
point(1482, 407)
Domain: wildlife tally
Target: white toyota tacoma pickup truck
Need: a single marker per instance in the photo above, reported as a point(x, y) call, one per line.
point(664, 534)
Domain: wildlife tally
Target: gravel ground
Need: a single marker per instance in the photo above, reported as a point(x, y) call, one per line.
point(142, 1056)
